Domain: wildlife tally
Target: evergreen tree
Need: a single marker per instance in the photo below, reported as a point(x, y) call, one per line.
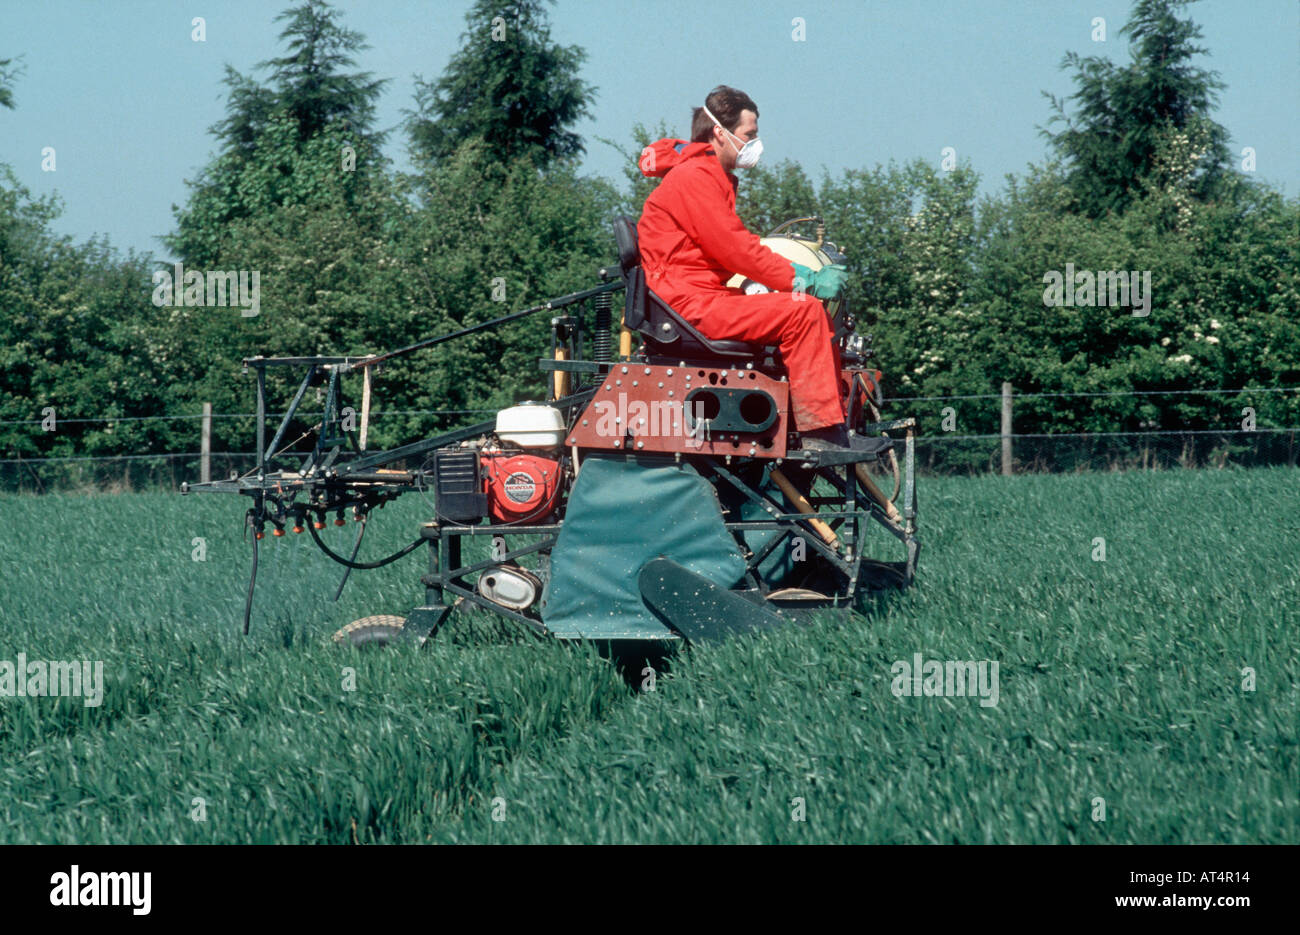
point(1111, 146)
point(285, 142)
point(310, 80)
point(509, 85)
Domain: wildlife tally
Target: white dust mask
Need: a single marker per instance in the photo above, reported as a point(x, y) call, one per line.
point(747, 154)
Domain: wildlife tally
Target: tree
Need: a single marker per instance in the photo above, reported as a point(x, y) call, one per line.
point(509, 86)
point(639, 186)
point(487, 239)
point(771, 195)
point(1111, 146)
point(287, 142)
point(310, 79)
point(8, 74)
point(72, 338)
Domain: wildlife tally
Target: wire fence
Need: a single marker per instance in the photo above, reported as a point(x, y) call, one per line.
point(117, 473)
point(1055, 452)
point(1106, 430)
point(948, 450)
point(110, 420)
point(1207, 392)
point(888, 401)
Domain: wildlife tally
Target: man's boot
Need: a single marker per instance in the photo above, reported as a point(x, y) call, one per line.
point(837, 438)
point(829, 438)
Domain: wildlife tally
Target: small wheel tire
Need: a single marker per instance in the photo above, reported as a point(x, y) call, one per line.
point(379, 630)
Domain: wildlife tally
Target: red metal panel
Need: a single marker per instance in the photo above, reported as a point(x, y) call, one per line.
point(644, 401)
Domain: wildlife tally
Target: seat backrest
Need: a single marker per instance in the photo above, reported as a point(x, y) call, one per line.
point(634, 305)
point(629, 258)
point(629, 251)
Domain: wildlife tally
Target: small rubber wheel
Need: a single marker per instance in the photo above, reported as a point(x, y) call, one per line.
point(379, 630)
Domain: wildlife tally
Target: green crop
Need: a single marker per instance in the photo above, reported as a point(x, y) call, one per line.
point(1125, 687)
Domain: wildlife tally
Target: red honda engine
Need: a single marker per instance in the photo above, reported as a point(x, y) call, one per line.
point(520, 487)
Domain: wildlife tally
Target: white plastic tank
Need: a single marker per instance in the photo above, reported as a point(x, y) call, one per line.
point(796, 250)
point(531, 425)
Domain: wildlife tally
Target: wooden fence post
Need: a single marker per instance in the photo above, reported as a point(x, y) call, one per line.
point(205, 445)
point(1006, 429)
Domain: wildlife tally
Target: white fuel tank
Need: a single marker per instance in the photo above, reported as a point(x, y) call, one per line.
point(531, 425)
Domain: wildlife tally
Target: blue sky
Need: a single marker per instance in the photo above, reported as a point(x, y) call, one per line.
point(126, 97)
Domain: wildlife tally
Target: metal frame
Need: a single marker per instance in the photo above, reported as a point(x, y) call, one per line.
point(338, 475)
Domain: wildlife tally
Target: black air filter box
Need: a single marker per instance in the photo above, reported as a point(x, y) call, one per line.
point(457, 486)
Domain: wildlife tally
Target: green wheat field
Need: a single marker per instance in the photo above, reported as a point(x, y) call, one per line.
point(1153, 697)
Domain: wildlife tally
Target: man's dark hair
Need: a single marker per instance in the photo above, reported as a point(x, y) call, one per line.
point(726, 104)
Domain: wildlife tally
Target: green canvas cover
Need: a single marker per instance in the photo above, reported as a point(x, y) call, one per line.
point(624, 511)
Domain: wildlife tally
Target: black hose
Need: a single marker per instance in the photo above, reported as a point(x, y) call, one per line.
point(252, 579)
point(311, 528)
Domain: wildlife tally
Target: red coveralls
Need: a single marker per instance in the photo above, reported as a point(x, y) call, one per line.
point(692, 242)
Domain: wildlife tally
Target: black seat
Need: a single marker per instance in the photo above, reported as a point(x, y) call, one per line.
point(666, 333)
